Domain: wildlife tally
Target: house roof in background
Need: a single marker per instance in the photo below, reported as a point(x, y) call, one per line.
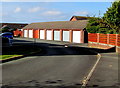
point(80, 18)
point(13, 25)
point(58, 25)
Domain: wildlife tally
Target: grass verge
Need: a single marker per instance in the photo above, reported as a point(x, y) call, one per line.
point(18, 50)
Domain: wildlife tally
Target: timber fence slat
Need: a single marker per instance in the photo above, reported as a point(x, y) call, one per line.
point(110, 39)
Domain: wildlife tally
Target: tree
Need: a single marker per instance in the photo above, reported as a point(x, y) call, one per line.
point(112, 17)
point(5, 29)
point(93, 25)
point(109, 23)
point(97, 25)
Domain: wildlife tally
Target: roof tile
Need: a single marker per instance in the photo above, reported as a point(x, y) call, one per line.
point(58, 25)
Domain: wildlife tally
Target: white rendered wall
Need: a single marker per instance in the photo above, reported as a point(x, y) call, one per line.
point(30, 33)
point(57, 35)
point(42, 34)
point(66, 35)
point(49, 35)
point(25, 33)
point(77, 36)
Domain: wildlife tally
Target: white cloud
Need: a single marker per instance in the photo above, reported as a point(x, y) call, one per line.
point(81, 13)
point(35, 9)
point(52, 13)
point(18, 9)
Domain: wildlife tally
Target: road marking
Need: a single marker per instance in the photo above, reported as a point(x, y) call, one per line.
point(87, 78)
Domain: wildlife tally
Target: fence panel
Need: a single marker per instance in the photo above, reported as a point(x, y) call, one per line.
point(112, 39)
point(118, 41)
point(92, 37)
point(103, 38)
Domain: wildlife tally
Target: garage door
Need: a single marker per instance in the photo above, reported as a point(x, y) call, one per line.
point(57, 35)
point(30, 33)
point(25, 33)
point(66, 35)
point(76, 36)
point(49, 35)
point(36, 33)
point(42, 34)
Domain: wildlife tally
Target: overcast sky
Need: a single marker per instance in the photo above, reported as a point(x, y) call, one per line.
point(28, 12)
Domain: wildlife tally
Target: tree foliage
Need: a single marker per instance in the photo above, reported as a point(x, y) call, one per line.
point(109, 23)
point(112, 16)
point(93, 25)
point(5, 29)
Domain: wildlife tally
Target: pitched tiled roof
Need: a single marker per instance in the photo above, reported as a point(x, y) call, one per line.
point(80, 17)
point(13, 25)
point(58, 25)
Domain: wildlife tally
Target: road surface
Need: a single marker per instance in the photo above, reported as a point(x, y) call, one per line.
point(58, 66)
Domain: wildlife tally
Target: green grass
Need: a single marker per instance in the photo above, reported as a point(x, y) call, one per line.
point(18, 50)
point(3, 57)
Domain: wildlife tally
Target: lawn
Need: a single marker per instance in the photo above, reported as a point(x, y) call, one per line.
point(18, 50)
point(7, 56)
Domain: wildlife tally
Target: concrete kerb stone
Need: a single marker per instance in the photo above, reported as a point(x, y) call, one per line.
point(87, 78)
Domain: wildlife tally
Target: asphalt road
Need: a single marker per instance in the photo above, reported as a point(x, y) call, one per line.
point(106, 72)
point(57, 66)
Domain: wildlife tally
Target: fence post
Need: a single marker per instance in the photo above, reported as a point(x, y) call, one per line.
point(98, 38)
point(116, 40)
point(108, 39)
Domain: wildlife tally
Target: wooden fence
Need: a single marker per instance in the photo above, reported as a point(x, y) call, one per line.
point(109, 39)
point(104, 40)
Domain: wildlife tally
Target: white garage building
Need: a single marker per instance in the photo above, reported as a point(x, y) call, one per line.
point(70, 31)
